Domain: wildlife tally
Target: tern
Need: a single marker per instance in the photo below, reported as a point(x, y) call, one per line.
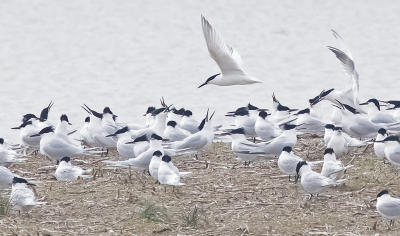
point(313, 182)
point(8, 156)
point(22, 197)
point(287, 161)
point(274, 147)
point(309, 124)
point(67, 172)
point(27, 129)
point(197, 141)
point(239, 142)
point(56, 148)
point(350, 94)
point(61, 129)
point(168, 173)
point(333, 168)
point(375, 114)
point(189, 123)
point(228, 60)
point(124, 136)
point(174, 133)
point(149, 118)
point(392, 149)
point(245, 121)
point(142, 161)
point(379, 148)
point(175, 115)
point(266, 129)
point(387, 206)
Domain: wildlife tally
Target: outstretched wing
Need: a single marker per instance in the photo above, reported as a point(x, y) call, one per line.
point(228, 60)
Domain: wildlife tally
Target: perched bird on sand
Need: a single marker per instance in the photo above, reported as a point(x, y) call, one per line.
point(67, 172)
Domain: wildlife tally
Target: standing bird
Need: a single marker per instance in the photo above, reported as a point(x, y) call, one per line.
point(189, 123)
point(67, 172)
point(56, 148)
point(265, 129)
point(287, 161)
point(27, 129)
point(149, 118)
point(8, 156)
point(124, 136)
point(197, 141)
point(375, 115)
point(387, 206)
point(168, 173)
point(61, 130)
point(174, 133)
point(392, 149)
point(239, 142)
point(379, 148)
point(337, 142)
point(313, 182)
point(333, 168)
point(228, 60)
point(22, 197)
point(142, 161)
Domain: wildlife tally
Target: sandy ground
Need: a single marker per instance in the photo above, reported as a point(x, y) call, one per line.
point(232, 199)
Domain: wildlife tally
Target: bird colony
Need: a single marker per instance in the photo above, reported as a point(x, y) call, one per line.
point(169, 133)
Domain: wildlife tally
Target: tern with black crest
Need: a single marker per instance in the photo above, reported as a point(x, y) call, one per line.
point(388, 206)
point(228, 60)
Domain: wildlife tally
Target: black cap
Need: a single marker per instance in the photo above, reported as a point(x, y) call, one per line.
point(373, 100)
point(66, 159)
point(19, 180)
point(287, 149)
point(123, 130)
point(1, 140)
point(87, 119)
point(155, 136)
point(329, 126)
point(150, 110)
point(171, 123)
point(157, 153)
point(166, 158)
point(251, 107)
point(337, 128)
point(237, 131)
point(382, 131)
point(64, 118)
point(48, 129)
point(328, 151)
point(382, 193)
point(304, 111)
point(299, 165)
point(142, 138)
point(263, 114)
point(157, 111)
point(187, 113)
point(27, 117)
point(107, 110)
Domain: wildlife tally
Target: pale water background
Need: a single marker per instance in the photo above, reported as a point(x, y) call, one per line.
point(127, 54)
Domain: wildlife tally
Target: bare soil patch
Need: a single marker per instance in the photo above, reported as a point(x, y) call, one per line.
point(228, 197)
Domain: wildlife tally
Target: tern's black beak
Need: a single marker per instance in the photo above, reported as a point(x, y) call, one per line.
point(202, 85)
point(230, 115)
point(131, 142)
point(31, 184)
point(361, 104)
point(111, 135)
point(35, 135)
point(69, 123)
point(374, 200)
point(16, 128)
point(212, 115)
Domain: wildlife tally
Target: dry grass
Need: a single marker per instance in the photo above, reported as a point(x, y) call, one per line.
point(236, 199)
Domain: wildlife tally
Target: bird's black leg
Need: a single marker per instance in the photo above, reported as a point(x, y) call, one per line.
point(196, 156)
point(289, 178)
point(254, 140)
point(310, 197)
point(107, 152)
